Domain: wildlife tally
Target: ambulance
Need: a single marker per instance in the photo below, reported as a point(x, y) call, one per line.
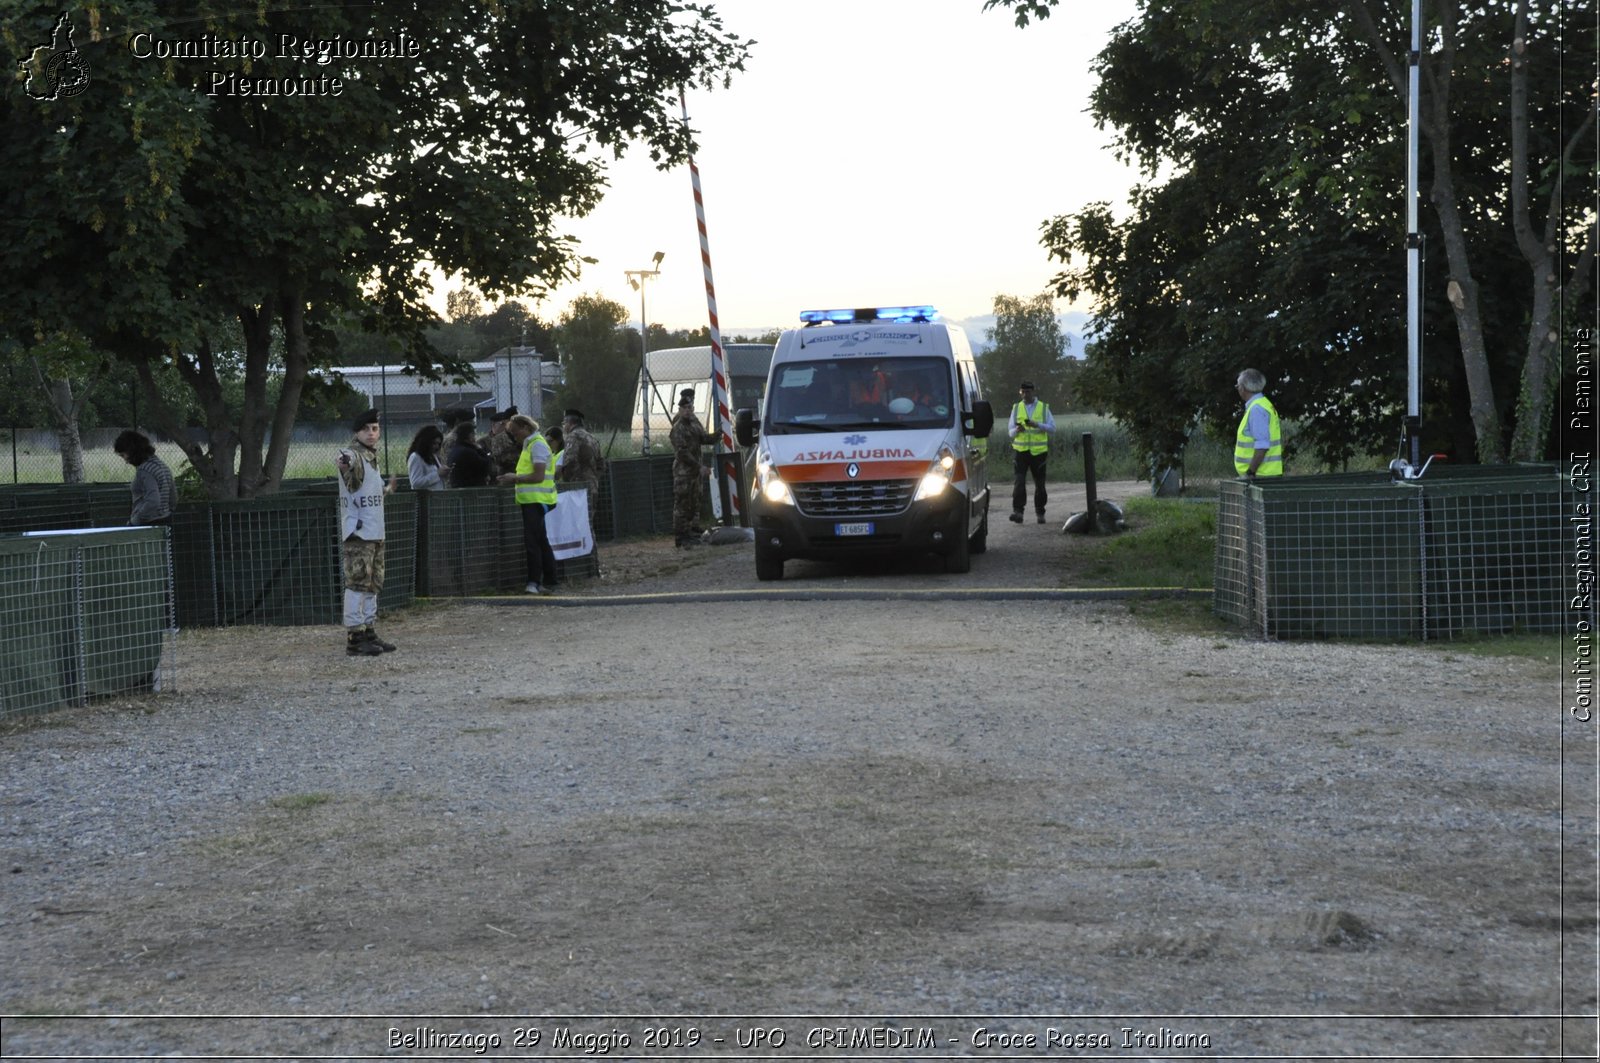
point(871, 438)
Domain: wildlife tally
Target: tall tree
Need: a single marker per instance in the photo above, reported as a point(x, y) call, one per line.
point(1270, 226)
point(599, 363)
point(309, 170)
point(1026, 343)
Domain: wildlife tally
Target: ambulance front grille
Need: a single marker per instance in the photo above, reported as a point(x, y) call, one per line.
point(852, 498)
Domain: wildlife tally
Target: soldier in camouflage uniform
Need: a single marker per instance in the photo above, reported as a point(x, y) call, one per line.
point(580, 460)
point(688, 475)
point(502, 448)
point(361, 495)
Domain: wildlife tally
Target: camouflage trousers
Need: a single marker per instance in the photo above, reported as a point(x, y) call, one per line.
point(363, 565)
point(686, 488)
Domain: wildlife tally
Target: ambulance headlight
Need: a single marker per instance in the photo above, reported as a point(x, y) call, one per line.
point(933, 484)
point(771, 484)
point(939, 475)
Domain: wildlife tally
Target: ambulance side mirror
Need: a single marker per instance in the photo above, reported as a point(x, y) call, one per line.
point(980, 422)
point(745, 429)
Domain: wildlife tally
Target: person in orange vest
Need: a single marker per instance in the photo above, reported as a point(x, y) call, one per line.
point(1030, 428)
point(869, 390)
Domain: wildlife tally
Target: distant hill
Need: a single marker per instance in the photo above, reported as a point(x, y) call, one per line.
point(1072, 326)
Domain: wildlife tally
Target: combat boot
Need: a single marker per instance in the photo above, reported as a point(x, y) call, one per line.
point(372, 637)
point(356, 644)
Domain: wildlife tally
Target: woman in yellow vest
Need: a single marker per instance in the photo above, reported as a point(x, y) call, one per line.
point(1030, 428)
point(1258, 448)
point(536, 496)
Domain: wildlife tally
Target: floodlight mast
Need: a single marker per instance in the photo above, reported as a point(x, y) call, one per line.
point(1414, 256)
point(636, 279)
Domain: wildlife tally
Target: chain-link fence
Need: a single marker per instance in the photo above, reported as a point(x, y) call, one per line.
point(1461, 553)
point(84, 615)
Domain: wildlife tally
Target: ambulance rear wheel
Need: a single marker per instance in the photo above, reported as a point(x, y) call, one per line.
point(769, 566)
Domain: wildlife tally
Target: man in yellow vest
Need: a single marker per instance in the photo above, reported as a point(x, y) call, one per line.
point(1030, 428)
point(536, 496)
point(1258, 448)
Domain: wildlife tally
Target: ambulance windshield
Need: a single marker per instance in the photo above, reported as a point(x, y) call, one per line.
point(844, 394)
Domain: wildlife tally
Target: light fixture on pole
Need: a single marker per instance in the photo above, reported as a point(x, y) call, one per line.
point(636, 279)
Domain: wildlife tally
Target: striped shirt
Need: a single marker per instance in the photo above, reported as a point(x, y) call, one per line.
point(154, 495)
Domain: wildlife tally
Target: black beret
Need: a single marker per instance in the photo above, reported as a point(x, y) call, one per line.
point(364, 419)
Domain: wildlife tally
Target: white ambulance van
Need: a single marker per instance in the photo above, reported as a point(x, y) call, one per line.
point(872, 438)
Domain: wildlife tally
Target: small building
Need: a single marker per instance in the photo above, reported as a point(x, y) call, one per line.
point(514, 376)
point(668, 371)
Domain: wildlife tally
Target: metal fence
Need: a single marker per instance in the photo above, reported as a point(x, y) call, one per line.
point(84, 615)
point(1462, 553)
point(275, 559)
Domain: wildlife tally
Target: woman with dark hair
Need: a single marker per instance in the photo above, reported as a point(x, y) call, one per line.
point(154, 493)
point(422, 460)
point(470, 464)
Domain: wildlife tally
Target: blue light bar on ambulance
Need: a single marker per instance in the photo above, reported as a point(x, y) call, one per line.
point(865, 314)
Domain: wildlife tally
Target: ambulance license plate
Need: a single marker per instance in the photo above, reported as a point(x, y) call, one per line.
point(861, 528)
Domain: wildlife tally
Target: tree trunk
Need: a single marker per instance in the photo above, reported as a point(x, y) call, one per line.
point(64, 408)
point(1462, 291)
point(296, 363)
point(1541, 372)
point(1462, 288)
point(215, 464)
point(257, 325)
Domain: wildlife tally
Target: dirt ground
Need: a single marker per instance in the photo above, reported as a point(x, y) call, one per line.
point(886, 827)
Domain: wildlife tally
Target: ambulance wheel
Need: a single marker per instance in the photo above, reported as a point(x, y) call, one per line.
point(959, 557)
point(769, 566)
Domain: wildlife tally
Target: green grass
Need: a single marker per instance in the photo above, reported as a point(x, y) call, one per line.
point(1168, 543)
point(1544, 648)
point(301, 802)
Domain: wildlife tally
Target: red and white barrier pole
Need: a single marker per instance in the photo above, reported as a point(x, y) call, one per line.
point(726, 453)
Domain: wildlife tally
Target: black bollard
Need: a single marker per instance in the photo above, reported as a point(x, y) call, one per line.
point(1088, 483)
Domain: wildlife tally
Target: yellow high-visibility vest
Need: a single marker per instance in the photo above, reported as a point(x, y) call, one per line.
point(1033, 440)
point(543, 491)
point(1244, 446)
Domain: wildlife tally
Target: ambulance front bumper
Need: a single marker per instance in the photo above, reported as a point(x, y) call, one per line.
point(786, 531)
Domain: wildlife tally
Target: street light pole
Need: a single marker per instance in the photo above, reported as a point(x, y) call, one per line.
point(636, 278)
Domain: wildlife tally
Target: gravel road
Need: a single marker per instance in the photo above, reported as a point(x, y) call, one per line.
point(922, 827)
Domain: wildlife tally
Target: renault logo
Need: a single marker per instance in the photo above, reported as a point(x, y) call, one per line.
point(852, 470)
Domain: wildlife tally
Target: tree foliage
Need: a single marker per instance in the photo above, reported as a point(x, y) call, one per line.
point(1026, 343)
point(1269, 229)
point(152, 212)
point(599, 360)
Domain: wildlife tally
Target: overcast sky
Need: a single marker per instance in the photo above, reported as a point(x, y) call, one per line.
point(874, 152)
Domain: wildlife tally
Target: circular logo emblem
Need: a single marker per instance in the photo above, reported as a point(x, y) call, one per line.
point(852, 470)
point(66, 74)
